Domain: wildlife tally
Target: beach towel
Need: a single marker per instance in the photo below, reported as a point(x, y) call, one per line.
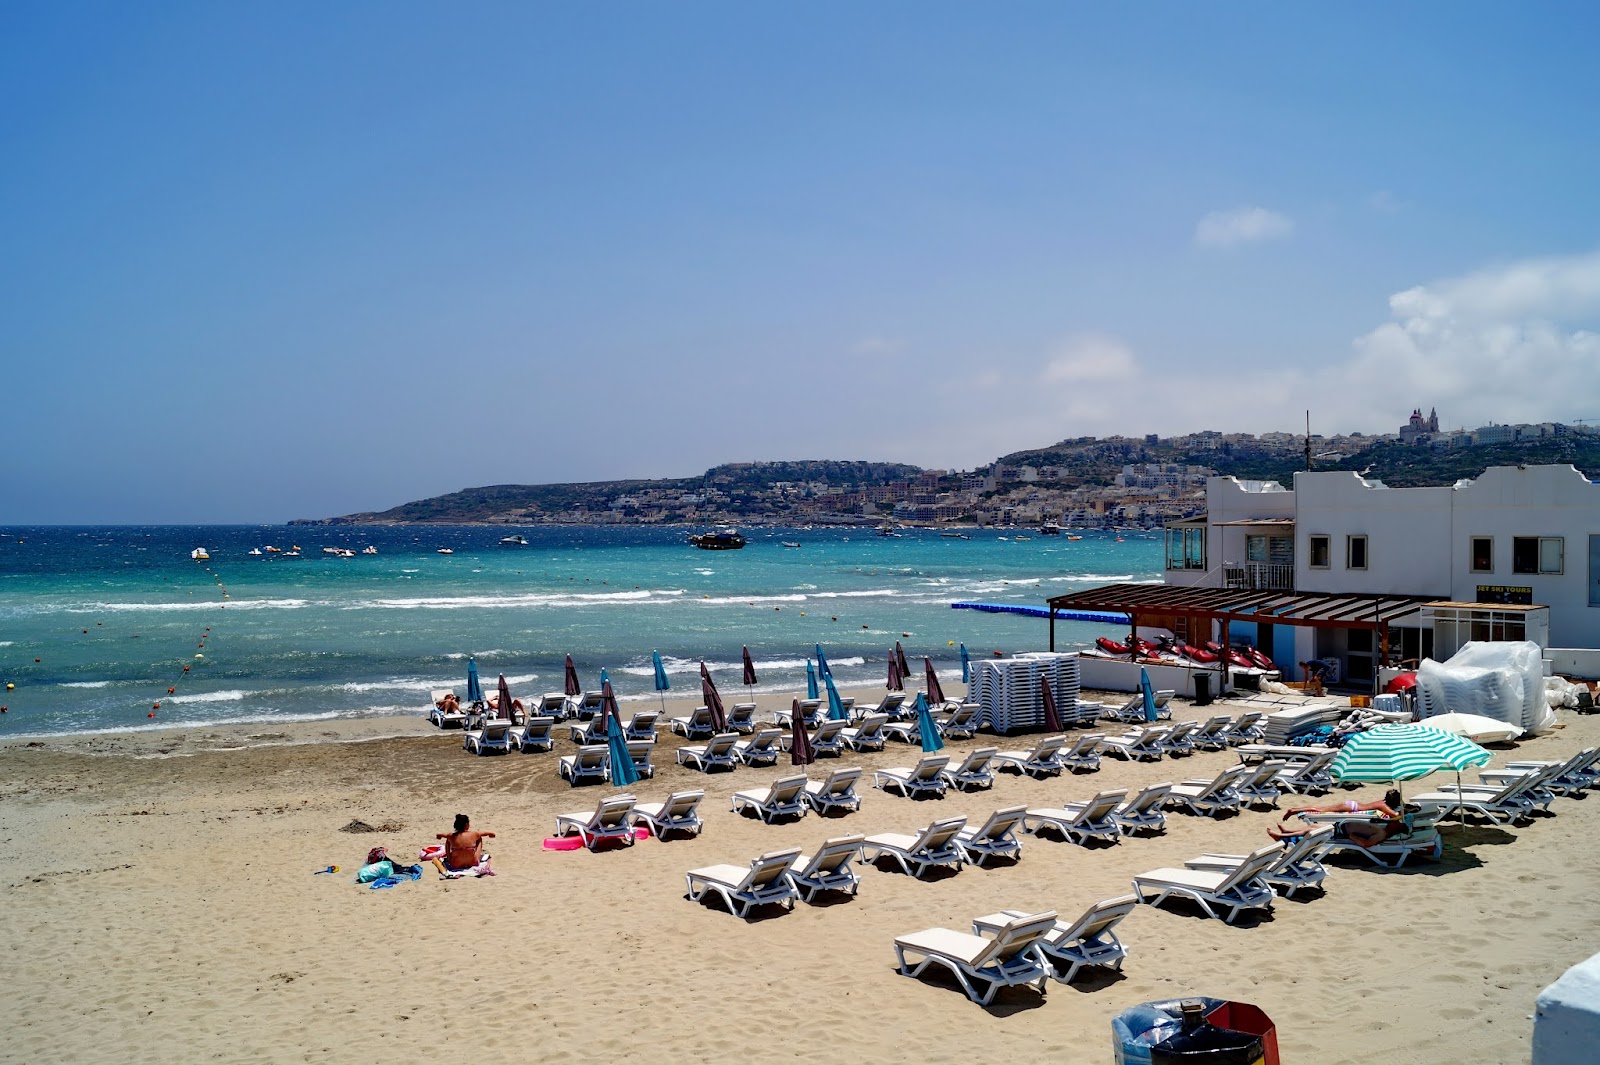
point(378, 870)
point(481, 869)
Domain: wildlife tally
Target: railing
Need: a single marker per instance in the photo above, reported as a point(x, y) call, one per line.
point(1259, 576)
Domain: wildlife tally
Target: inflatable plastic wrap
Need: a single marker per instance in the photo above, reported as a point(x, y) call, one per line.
point(1501, 680)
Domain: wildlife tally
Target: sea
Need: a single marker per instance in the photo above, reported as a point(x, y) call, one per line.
point(99, 625)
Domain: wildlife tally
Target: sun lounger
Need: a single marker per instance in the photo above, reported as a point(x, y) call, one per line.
point(1213, 734)
point(642, 751)
point(1179, 740)
point(590, 731)
point(784, 797)
point(960, 723)
point(867, 735)
point(1576, 774)
point(1422, 838)
point(1209, 797)
point(1084, 753)
point(493, 736)
point(742, 718)
point(1044, 759)
point(760, 749)
point(678, 812)
point(1258, 784)
point(764, 882)
point(717, 751)
point(931, 848)
point(1090, 940)
point(828, 869)
point(1141, 744)
point(642, 726)
point(995, 838)
point(1509, 803)
point(612, 818)
point(1247, 728)
point(440, 718)
point(587, 705)
point(890, 707)
point(1309, 777)
point(1079, 822)
point(1144, 812)
point(1250, 753)
point(588, 764)
point(924, 778)
point(1233, 890)
point(534, 735)
point(810, 710)
point(1536, 791)
point(982, 966)
point(697, 725)
point(1297, 868)
point(974, 771)
point(1132, 711)
point(552, 705)
point(837, 791)
point(825, 740)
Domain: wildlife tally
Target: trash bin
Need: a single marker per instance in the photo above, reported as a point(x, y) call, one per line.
point(1202, 689)
point(1194, 1031)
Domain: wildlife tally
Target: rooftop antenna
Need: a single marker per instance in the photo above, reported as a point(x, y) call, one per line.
point(1308, 441)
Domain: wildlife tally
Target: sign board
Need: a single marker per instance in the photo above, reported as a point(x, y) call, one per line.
point(1505, 593)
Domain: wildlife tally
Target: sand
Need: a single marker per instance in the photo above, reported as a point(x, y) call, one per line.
point(160, 905)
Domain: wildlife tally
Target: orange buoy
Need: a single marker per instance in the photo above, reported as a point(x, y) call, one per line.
point(151, 714)
point(172, 691)
point(186, 669)
point(155, 706)
point(36, 661)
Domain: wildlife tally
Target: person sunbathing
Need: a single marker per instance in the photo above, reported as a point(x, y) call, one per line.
point(1362, 832)
point(449, 704)
point(463, 848)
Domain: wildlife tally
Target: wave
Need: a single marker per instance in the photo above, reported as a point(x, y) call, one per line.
point(528, 599)
point(86, 684)
point(723, 600)
point(460, 655)
point(1091, 577)
point(217, 604)
point(233, 695)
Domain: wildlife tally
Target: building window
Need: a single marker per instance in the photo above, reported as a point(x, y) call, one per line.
point(1320, 550)
point(1355, 552)
point(1483, 554)
point(1537, 554)
point(1186, 548)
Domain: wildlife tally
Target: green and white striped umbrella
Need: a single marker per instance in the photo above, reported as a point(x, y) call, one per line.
point(1403, 752)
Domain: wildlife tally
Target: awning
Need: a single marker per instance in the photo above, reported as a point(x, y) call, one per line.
point(1260, 607)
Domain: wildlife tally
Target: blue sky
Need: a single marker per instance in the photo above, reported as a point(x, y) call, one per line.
point(292, 260)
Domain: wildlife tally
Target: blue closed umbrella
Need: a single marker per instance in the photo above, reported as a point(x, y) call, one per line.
point(661, 681)
point(1150, 712)
point(822, 663)
point(836, 709)
point(811, 680)
point(926, 728)
point(623, 771)
point(474, 687)
point(966, 666)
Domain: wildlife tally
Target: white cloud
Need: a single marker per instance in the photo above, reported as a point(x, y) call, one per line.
point(1242, 225)
point(1090, 358)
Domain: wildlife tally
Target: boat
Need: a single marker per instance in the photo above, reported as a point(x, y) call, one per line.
point(254, 551)
point(369, 550)
point(790, 543)
point(330, 550)
point(200, 554)
point(888, 529)
point(445, 551)
point(951, 534)
point(1074, 538)
point(274, 550)
point(720, 540)
point(515, 540)
point(1049, 528)
point(1022, 538)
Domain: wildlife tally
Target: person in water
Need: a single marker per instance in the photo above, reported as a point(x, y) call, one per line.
point(463, 848)
point(1361, 832)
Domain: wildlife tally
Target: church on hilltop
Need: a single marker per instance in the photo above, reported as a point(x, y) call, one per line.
point(1420, 430)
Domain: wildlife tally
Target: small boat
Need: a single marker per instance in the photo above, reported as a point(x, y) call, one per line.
point(720, 540)
point(1049, 528)
point(344, 552)
point(445, 551)
point(254, 551)
point(369, 550)
point(290, 554)
point(888, 529)
point(790, 543)
point(1022, 538)
point(514, 541)
point(200, 554)
point(951, 534)
point(274, 550)
point(1074, 538)
point(330, 550)
point(1002, 537)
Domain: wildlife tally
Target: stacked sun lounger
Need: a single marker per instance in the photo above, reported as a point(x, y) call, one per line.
point(1009, 693)
point(1281, 726)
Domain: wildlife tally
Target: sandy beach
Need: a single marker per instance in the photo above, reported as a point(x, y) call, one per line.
point(161, 906)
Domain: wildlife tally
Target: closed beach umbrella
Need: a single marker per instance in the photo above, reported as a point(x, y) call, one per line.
point(1052, 720)
point(503, 710)
point(750, 678)
point(966, 666)
point(474, 687)
point(623, 771)
point(1403, 752)
point(894, 683)
point(811, 680)
point(1475, 727)
point(835, 704)
point(822, 662)
point(708, 691)
point(926, 728)
point(572, 686)
point(900, 659)
point(800, 750)
point(661, 680)
point(935, 693)
point(1150, 712)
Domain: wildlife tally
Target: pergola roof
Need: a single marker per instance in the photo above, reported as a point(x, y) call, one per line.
point(1230, 604)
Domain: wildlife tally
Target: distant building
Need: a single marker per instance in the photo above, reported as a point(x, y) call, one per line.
point(1420, 430)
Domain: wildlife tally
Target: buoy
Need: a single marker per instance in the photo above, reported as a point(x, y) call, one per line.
point(186, 669)
point(999, 654)
point(836, 617)
point(155, 706)
point(2, 709)
point(802, 613)
point(863, 626)
point(202, 656)
point(777, 608)
point(151, 714)
point(36, 661)
point(172, 691)
point(907, 635)
point(949, 643)
point(86, 632)
point(10, 687)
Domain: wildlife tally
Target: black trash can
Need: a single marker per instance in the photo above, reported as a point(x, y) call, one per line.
point(1202, 689)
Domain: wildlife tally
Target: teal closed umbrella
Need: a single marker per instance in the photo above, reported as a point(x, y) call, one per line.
point(835, 704)
point(811, 680)
point(966, 666)
point(474, 685)
point(661, 681)
point(926, 729)
point(623, 771)
point(1150, 711)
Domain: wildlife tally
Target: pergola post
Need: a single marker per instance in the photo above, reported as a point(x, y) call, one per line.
point(1383, 658)
point(1052, 626)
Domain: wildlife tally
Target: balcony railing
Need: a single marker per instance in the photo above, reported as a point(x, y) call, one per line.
point(1259, 576)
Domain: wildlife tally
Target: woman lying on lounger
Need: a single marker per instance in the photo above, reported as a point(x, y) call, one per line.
point(1361, 832)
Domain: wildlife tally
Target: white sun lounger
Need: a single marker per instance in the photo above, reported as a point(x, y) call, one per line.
point(1258, 784)
point(1570, 777)
point(678, 812)
point(1140, 744)
point(588, 764)
point(1090, 940)
point(696, 725)
point(764, 882)
point(828, 869)
point(760, 749)
point(612, 818)
point(1144, 812)
point(1043, 760)
point(642, 726)
point(1179, 740)
point(838, 791)
point(924, 778)
point(1246, 728)
point(1233, 890)
point(974, 771)
point(1535, 792)
point(784, 797)
point(960, 723)
point(889, 707)
point(1080, 822)
point(934, 846)
point(1422, 839)
point(590, 731)
point(1132, 711)
point(587, 705)
point(534, 735)
point(717, 751)
point(995, 838)
point(810, 710)
point(982, 966)
point(867, 735)
point(493, 736)
point(825, 740)
point(1308, 777)
point(438, 717)
point(641, 751)
point(1509, 803)
point(1209, 797)
point(1213, 734)
point(1298, 867)
point(1084, 753)
point(742, 718)
point(552, 705)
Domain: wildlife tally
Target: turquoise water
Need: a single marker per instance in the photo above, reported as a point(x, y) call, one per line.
point(115, 614)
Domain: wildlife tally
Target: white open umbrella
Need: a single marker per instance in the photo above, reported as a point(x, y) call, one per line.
point(1475, 727)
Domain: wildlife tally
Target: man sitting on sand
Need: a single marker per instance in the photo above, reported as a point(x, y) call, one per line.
point(463, 851)
point(1361, 832)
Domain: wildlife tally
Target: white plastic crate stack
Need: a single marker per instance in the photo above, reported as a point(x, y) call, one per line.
point(1010, 697)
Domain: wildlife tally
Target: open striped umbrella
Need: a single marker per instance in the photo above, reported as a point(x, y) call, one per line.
point(1403, 752)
